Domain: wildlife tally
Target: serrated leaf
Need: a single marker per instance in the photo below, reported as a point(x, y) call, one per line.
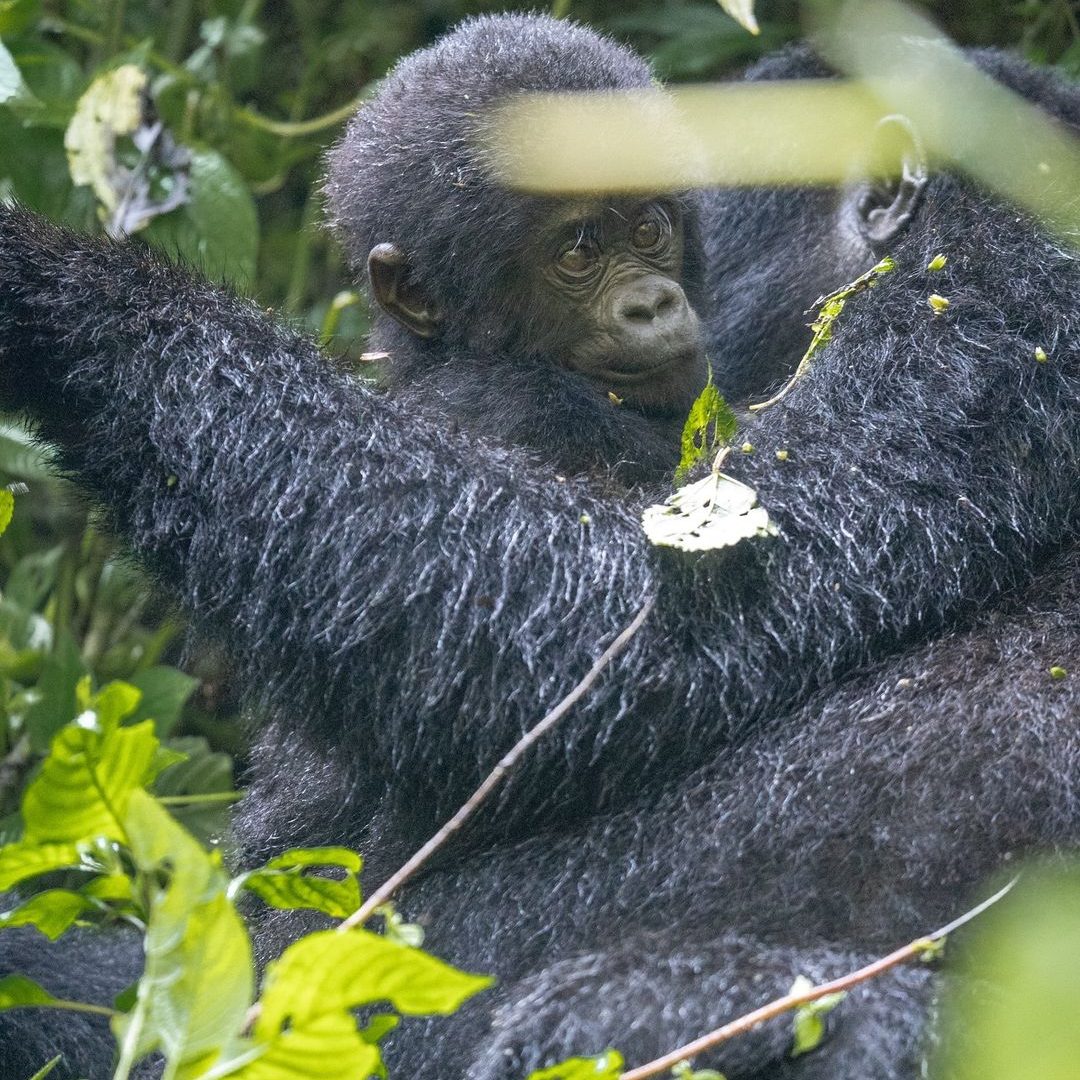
point(710, 423)
point(17, 991)
point(282, 883)
point(52, 912)
point(333, 971)
point(86, 782)
point(21, 861)
point(324, 1047)
point(742, 11)
point(715, 512)
point(606, 1066)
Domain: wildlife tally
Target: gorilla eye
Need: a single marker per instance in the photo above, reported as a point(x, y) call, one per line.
point(651, 232)
point(577, 260)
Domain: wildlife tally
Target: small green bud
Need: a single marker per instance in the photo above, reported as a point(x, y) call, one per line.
point(1040, 354)
point(938, 303)
point(937, 262)
point(781, 455)
point(747, 447)
point(585, 519)
point(1058, 672)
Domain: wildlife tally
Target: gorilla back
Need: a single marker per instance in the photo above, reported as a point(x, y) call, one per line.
point(756, 788)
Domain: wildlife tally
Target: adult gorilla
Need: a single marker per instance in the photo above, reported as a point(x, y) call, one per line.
point(813, 748)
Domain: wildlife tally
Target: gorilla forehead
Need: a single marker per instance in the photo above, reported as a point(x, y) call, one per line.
point(410, 168)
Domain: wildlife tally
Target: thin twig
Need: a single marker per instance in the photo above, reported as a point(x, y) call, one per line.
point(788, 1002)
point(497, 775)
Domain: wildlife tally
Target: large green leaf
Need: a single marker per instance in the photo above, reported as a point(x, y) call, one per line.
point(217, 230)
point(334, 970)
point(86, 782)
point(198, 981)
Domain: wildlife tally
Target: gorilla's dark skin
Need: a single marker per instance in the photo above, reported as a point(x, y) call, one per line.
point(518, 323)
point(816, 748)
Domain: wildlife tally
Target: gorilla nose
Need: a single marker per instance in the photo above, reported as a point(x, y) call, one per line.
point(650, 303)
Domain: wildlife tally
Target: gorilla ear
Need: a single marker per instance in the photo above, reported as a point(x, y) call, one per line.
point(388, 272)
point(886, 201)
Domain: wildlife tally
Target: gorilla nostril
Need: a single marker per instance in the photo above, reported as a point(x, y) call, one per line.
point(649, 301)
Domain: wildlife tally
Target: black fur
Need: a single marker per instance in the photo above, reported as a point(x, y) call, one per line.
point(816, 748)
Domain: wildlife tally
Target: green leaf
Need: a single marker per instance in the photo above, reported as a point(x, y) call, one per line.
point(685, 1071)
point(808, 1021)
point(198, 981)
point(7, 501)
point(742, 11)
point(21, 861)
point(17, 991)
point(340, 970)
point(326, 1047)
point(711, 423)
point(606, 1066)
point(52, 912)
point(86, 782)
point(165, 692)
point(202, 772)
point(282, 883)
point(33, 578)
point(1013, 1011)
point(217, 230)
point(715, 512)
point(114, 703)
point(60, 674)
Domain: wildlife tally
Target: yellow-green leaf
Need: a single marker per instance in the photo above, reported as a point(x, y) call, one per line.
point(51, 912)
point(85, 783)
point(333, 971)
point(7, 508)
point(21, 861)
point(283, 884)
point(198, 981)
point(607, 1066)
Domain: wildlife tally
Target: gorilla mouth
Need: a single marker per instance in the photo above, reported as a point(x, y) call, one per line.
point(626, 376)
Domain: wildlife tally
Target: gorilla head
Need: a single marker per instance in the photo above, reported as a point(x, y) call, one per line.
point(589, 302)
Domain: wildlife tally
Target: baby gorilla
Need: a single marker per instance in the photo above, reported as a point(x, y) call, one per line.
point(564, 325)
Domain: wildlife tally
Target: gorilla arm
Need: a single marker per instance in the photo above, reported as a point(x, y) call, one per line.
point(420, 599)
